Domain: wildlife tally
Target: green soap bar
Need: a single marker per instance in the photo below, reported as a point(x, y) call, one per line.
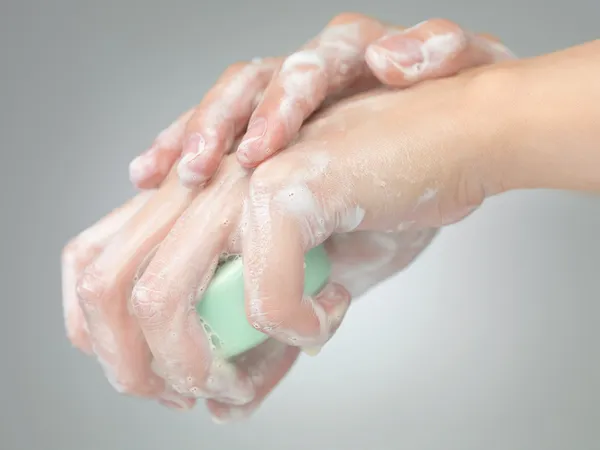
point(222, 307)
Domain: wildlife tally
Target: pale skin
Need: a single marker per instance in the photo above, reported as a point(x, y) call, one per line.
point(249, 104)
point(103, 264)
point(363, 187)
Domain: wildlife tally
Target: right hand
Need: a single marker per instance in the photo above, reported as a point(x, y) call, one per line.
point(353, 53)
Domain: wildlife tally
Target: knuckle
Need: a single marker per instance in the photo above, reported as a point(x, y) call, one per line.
point(129, 381)
point(490, 37)
point(147, 303)
point(92, 288)
point(74, 253)
point(70, 252)
point(264, 179)
point(236, 67)
point(130, 385)
point(273, 173)
point(348, 17)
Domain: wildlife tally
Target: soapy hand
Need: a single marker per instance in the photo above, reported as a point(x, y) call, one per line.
point(373, 191)
point(261, 105)
point(130, 302)
point(149, 342)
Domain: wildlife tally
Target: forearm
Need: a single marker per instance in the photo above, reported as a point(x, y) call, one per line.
point(545, 120)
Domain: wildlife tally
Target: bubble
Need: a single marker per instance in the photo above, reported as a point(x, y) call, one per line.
point(217, 344)
point(214, 341)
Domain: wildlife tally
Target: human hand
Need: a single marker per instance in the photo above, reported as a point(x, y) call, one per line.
point(141, 271)
point(131, 305)
point(101, 267)
point(360, 260)
point(430, 158)
point(273, 97)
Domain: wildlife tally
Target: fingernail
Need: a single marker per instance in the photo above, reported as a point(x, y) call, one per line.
point(330, 306)
point(502, 52)
point(190, 165)
point(335, 300)
point(195, 146)
point(400, 50)
point(251, 141)
point(174, 401)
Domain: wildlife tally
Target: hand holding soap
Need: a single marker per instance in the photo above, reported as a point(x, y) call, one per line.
point(222, 308)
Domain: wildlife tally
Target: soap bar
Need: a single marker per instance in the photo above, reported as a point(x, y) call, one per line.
point(222, 309)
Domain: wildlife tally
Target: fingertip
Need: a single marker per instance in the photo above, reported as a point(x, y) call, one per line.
point(242, 159)
point(176, 402)
point(246, 159)
point(81, 341)
point(335, 299)
point(499, 51)
point(376, 59)
point(396, 62)
point(405, 57)
point(141, 169)
point(222, 414)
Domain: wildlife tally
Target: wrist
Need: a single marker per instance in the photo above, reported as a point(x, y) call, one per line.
point(492, 94)
point(538, 121)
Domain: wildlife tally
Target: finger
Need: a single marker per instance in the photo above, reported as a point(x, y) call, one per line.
point(105, 288)
point(432, 49)
point(329, 63)
point(164, 299)
point(266, 366)
point(220, 117)
point(78, 254)
point(285, 220)
point(149, 169)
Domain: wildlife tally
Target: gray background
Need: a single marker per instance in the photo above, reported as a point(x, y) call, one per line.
point(490, 341)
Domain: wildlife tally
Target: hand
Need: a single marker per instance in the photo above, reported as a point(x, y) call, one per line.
point(348, 182)
point(107, 270)
point(102, 265)
point(150, 343)
point(265, 102)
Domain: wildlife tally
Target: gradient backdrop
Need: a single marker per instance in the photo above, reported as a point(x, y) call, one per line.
point(489, 342)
